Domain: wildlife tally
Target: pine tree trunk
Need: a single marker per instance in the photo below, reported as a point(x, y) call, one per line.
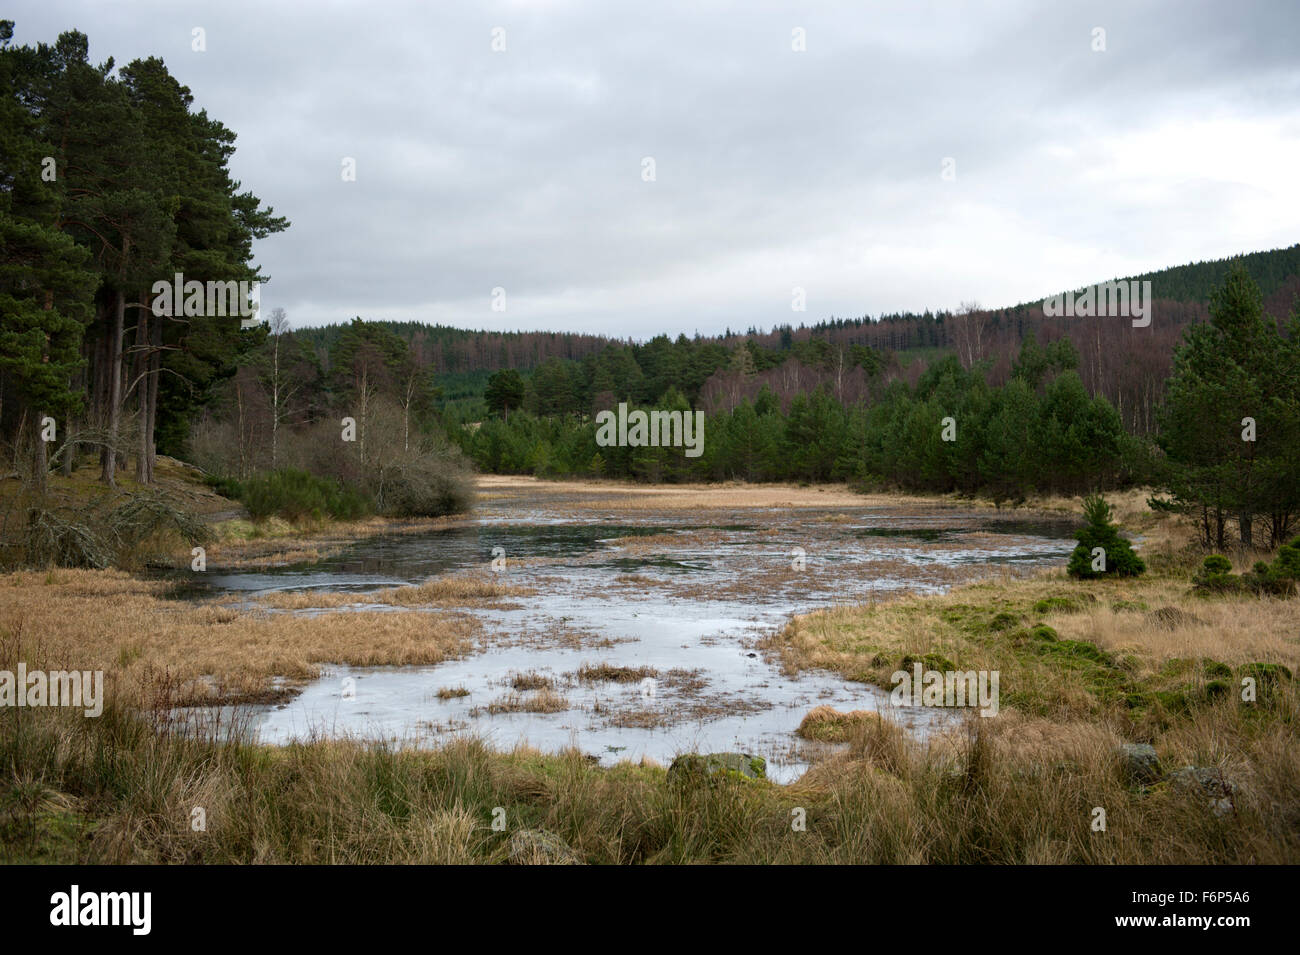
point(142, 375)
point(155, 377)
point(40, 463)
point(69, 448)
point(108, 458)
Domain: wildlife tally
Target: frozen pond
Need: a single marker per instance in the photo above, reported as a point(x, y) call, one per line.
point(640, 632)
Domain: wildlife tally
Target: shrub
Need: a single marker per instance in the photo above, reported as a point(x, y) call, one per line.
point(225, 486)
point(1278, 578)
point(425, 487)
point(1216, 576)
point(1119, 557)
point(296, 495)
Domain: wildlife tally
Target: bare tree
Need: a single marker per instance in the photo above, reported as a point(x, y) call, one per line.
point(281, 392)
point(970, 325)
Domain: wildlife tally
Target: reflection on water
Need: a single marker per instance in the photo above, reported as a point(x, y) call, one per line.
point(689, 605)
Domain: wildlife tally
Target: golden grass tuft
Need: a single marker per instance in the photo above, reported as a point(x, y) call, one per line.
point(828, 725)
point(541, 701)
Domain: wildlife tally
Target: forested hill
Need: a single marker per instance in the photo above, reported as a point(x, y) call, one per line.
point(450, 350)
point(1274, 271)
point(1127, 366)
point(1182, 293)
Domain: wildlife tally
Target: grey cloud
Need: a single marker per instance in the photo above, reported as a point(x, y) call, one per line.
point(775, 169)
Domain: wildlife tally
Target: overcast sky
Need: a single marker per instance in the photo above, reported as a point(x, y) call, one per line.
point(773, 168)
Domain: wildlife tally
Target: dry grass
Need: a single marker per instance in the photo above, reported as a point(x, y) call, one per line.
point(107, 620)
point(532, 680)
point(1000, 791)
point(437, 592)
point(826, 724)
point(604, 495)
point(609, 673)
point(541, 701)
point(1111, 658)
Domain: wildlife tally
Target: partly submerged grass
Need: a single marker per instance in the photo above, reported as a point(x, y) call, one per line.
point(127, 627)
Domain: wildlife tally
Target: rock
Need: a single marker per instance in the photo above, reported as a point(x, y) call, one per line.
point(1139, 763)
point(737, 765)
point(539, 847)
point(1209, 783)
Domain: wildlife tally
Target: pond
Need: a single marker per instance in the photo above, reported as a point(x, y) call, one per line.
point(641, 635)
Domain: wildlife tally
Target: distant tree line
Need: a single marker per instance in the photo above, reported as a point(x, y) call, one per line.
point(1039, 431)
point(1226, 447)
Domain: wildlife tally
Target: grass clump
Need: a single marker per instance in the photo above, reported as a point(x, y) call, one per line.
point(609, 673)
point(828, 725)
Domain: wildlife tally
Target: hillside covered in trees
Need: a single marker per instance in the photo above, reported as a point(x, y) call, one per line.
point(1125, 365)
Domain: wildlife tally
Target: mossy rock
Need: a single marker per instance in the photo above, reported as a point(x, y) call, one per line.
point(696, 766)
point(1032, 636)
point(1174, 701)
point(1139, 763)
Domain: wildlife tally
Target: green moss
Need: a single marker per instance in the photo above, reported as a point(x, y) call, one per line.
point(1266, 672)
point(1128, 606)
point(1213, 669)
point(1079, 650)
point(1177, 666)
point(1003, 621)
point(1069, 603)
point(1175, 701)
point(1217, 689)
point(929, 661)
